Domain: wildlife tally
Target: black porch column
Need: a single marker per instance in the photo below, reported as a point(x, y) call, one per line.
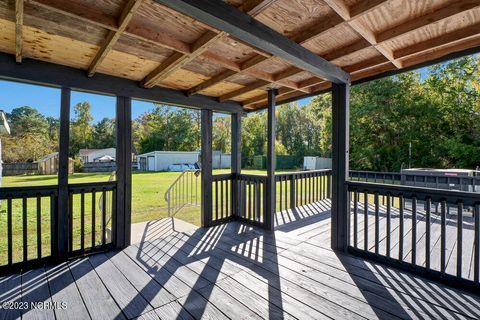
point(61, 220)
point(270, 187)
point(121, 222)
point(340, 156)
point(206, 157)
point(236, 138)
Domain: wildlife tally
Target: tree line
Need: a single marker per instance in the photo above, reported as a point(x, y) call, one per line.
point(437, 113)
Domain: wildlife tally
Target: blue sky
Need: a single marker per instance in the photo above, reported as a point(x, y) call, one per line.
point(47, 100)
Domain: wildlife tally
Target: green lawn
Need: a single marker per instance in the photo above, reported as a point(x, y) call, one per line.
point(148, 203)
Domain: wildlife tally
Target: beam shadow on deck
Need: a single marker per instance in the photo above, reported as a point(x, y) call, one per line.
point(235, 271)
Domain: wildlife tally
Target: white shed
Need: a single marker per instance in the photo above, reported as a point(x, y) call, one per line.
point(161, 160)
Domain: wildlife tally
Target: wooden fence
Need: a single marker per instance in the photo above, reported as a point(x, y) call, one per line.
point(20, 168)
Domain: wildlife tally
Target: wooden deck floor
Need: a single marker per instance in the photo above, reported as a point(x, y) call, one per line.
point(234, 271)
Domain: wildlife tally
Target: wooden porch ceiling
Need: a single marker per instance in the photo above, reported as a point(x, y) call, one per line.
point(145, 41)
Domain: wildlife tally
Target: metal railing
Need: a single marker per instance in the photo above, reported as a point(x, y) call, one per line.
point(412, 227)
point(184, 191)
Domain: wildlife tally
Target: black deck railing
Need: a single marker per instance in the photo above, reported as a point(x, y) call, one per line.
point(292, 190)
point(222, 204)
point(431, 231)
point(376, 177)
point(29, 219)
point(92, 212)
point(301, 188)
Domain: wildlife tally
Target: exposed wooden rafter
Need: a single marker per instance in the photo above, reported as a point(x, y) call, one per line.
point(363, 68)
point(226, 74)
point(301, 37)
point(113, 36)
point(222, 16)
point(178, 60)
point(348, 14)
point(19, 4)
point(444, 39)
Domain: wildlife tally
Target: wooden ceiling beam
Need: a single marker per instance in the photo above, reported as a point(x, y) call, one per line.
point(51, 74)
point(222, 16)
point(348, 14)
point(19, 6)
point(225, 75)
point(442, 40)
point(255, 7)
point(427, 19)
point(301, 38)
point(179, 60)
point(113, 36)
point(255, 85)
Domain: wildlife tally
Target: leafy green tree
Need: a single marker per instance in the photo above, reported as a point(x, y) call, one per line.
point(221, 134)
point(104, 134)
point(81, 128)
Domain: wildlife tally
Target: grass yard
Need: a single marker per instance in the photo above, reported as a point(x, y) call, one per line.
point(148, 203)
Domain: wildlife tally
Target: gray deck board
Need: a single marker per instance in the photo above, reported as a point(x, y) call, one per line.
point(234, 271)
point(35, 290)
point(10, 291)
point(64, 290)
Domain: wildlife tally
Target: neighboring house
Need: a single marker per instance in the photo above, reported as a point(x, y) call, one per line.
point(4, 129)
point(97, 155)
point(49, 164)
point(162, 160)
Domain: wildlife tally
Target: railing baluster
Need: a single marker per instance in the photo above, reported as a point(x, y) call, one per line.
point(39, 227)
point(355, 218)
point(428, 209)
point(459, 238)
point(281, 194)
point(93, 218)
point(9, 230)
point(104, 218)
point(365, 221)
point(476, 263)
point(414, 230)
point(258, 198)
point(443, 237)
point(377, 222)
point(82, 220)
point(227, 196)
point(53, 225)
point(401, 227)
point(389, 226)
point(216, 199)
point(70, 223)
point(25, 226)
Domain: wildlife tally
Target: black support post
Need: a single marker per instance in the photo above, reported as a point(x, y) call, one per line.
point(270, 194)
point(236, 137)
point(62, 214)
point(206, 160)
point(340, 159)
point(121, 221)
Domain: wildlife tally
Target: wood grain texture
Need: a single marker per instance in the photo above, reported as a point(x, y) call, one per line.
point(19, 5)
point(113, 36)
